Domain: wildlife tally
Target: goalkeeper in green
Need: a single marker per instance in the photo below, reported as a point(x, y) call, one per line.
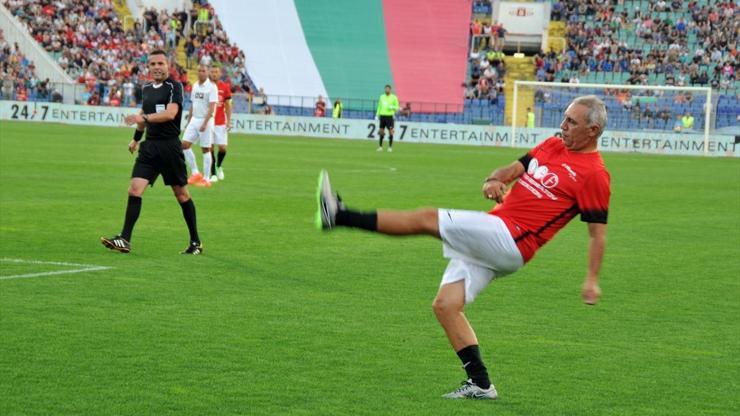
point(387, 107)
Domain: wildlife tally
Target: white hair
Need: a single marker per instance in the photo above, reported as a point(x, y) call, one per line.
point(596, 110)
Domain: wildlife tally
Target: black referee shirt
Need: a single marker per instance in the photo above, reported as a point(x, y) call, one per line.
point(156, 98)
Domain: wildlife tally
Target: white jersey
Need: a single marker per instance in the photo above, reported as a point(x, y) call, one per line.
point(201, 96)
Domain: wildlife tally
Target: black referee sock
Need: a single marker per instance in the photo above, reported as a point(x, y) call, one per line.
point(355, 219)
point(390, 140)
point(381, 139)
point(474, 367)
point(133, 208)
point(221, 157)
point(188, 212)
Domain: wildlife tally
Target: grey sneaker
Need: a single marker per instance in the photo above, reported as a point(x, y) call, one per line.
point(469, 390)
point(329, 203)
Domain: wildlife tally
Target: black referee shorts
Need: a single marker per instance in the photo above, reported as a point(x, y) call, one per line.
point(386, 122)
point(161, 157)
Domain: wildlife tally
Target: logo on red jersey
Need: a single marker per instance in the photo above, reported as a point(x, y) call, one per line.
point(542, 173)
point(571, 172)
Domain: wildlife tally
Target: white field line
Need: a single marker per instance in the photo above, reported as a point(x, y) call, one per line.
point(81, 268)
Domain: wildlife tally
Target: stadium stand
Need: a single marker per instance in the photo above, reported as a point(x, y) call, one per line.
point(18, 79)
point(645, 43)
point(207, 42)
point(87, 39)
point(629, 42)
point(485, 99)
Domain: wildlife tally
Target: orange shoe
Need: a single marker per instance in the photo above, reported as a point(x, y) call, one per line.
point(204, 183)
point(195, 178)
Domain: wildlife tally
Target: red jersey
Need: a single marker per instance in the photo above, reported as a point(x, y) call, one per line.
point(557, 185)
point(224, 93)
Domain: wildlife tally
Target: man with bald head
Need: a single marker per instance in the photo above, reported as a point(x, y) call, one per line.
point(552, 183)
point(160, 154)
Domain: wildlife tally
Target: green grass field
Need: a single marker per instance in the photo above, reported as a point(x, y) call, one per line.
point(278, 318)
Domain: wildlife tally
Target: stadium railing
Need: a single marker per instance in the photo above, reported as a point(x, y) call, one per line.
point(472, 111)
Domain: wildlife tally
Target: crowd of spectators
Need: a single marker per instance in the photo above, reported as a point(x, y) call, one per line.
point(487, 34)
point(487, 71)
point(18, 80)
point(208, 43)
point(597, 38)
point(485, 80)
point(661, 42)
point(88, 40)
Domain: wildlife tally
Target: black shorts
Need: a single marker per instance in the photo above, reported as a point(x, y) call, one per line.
point(386, 122)
point(161, 157)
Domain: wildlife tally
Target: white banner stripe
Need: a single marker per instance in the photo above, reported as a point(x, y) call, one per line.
point(277, 53)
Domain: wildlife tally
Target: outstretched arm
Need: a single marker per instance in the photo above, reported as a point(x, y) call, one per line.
point(596, 247)
point(497, 182)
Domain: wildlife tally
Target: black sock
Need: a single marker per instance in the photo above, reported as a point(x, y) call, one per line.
point(188, 212)
point(364, 220)
point(132, 214)
point(390, 140)
point(474, 367)
point(213, 164)
point(221, 157)
point(381, 139)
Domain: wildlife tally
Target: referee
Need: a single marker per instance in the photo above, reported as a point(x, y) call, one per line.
point(160, 154)
point(387, 107)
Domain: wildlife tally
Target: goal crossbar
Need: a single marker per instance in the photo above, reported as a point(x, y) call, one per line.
point(706, 90)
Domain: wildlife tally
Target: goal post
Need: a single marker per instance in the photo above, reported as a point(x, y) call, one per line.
point(646, 108)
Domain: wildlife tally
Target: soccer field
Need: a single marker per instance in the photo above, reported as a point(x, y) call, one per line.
point(279, 318)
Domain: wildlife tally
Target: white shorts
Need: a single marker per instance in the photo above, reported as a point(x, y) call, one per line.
point(194, 135)
point(220, 135)
point(479, 247)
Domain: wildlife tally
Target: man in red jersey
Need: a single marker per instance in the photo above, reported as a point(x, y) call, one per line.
point(555, 181)
point(222, 123)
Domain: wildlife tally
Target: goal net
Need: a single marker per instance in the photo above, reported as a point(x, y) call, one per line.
point(652, 109)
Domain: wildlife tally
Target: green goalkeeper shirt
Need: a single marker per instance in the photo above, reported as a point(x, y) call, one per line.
point(387, 105)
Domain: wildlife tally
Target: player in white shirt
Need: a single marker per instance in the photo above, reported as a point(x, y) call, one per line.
point(203, 101)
